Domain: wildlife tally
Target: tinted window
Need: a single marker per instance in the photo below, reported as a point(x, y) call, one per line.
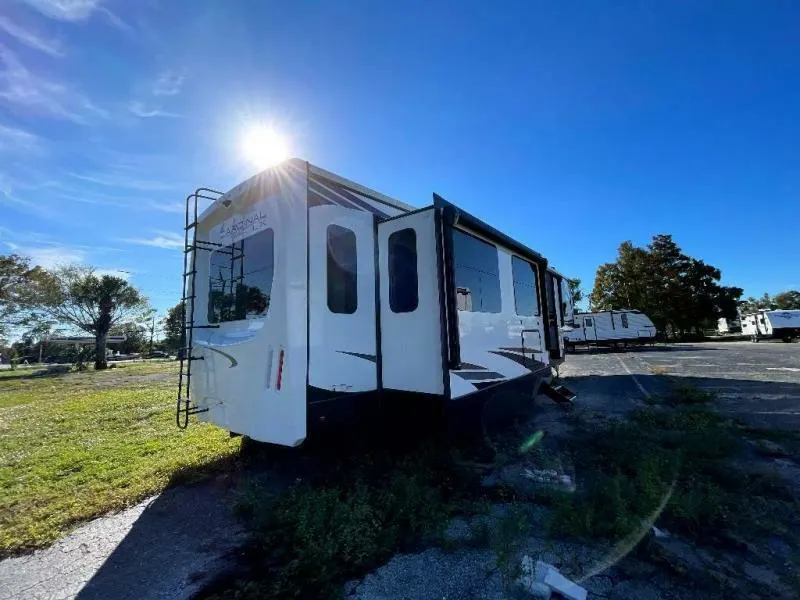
point(624, 318)
point(477, 274)
point(525, 298)
point(587, 322)
point(240, 278)
point(342, 270)
point(403, 279)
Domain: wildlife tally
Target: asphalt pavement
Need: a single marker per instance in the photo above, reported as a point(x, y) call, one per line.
point(758, 383)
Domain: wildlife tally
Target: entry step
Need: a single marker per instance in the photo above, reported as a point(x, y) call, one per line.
point(560, 394)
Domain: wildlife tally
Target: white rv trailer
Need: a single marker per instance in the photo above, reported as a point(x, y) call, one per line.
point(610, 328)
point(728, 325)
point(778, 324)
point(310, 300)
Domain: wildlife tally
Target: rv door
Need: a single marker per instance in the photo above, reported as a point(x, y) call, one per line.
point(411, 309)
point(589, 328)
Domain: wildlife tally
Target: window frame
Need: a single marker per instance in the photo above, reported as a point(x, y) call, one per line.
point(534, 268)
point(624, 319)
point(331, 260)
point(496, 250)
point(588, 322)
point(240, 246)
point(394, 271)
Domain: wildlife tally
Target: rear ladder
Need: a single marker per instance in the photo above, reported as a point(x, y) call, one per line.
point(191, 245)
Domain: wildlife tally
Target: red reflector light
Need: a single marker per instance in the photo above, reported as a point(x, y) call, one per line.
point(280, 370)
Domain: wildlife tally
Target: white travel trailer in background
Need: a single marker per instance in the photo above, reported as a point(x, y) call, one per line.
point(610, 328)
point(311, 300)
point(728, 325)
point(777, 324)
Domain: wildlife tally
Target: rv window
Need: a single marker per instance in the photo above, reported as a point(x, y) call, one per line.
point(342, 270)
point(624, 318)
point(477, 273)
point(403, 280)
point(240, 278)
point(587, 322)
point(524, 276)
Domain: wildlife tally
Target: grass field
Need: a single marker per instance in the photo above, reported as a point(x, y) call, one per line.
point(78, 445)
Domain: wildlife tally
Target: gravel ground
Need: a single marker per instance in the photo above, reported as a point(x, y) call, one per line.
point(757, 383)
point(168, 546)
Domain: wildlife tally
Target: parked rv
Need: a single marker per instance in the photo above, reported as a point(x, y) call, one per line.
point(729, 325)
point(772, 324)
point(610, 328)
point(311, 299)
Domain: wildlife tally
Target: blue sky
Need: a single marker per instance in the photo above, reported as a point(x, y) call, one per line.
point(572, 126)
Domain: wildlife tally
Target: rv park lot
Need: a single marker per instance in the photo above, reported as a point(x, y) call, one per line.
point(111, 443)
point(755, 383)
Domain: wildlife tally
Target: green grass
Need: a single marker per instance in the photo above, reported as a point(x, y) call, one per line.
point(78, 445)
point(681, 456)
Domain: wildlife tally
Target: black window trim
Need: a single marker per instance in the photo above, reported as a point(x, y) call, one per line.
point(477, 236)
point(348, 232)
point(233, 247)
point(391, 275)
point(535, 266)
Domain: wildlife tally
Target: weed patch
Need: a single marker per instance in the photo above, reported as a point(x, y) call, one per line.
point(348, 520)
point(679, 455)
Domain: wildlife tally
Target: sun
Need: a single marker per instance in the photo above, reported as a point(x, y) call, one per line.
point(264, 147)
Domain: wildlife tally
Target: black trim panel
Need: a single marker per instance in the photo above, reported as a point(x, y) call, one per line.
point(471, 377)
point(369, 357)
point(528, 363)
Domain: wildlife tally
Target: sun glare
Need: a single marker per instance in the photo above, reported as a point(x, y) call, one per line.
point(264, 147)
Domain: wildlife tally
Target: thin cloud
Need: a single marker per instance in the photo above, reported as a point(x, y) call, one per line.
point(140, 110)
point(13, 139)
point(30, 38)
point(168, 83)
point(161, 239)
point(169, 207)
point(125, 181)
point(28, 91)
point(8, 195)
point(75, 11)
point(49, 256)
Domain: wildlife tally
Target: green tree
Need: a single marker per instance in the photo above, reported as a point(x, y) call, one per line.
point(136, 337)
point(679, 293)
point(76, 296)
point(752, 304)
point(789, 300)
point(575, 290)
point(173, 327)
point(17, 279)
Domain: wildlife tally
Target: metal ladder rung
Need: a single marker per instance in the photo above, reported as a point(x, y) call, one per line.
point(191, 245)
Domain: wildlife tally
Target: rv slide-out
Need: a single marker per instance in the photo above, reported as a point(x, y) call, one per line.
point(312, 300)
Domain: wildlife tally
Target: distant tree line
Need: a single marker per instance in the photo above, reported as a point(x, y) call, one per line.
point(681, 294)
point(789, 300)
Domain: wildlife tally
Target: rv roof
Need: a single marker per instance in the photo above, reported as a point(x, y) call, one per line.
point(319, 171)
point(358, 187)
